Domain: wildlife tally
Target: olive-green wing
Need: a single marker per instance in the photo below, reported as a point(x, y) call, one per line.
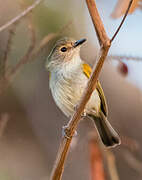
point(87, 71)
point(104, 107)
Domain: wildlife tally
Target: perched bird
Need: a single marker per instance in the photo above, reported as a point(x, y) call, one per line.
point(68, 78)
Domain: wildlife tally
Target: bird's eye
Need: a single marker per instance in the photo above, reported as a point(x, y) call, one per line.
point(63, 49)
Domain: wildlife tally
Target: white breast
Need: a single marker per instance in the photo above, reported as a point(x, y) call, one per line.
point(67, 89)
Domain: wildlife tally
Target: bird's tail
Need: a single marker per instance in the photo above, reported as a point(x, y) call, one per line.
point(108, 135)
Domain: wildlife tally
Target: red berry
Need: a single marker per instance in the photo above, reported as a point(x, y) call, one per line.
point(123, 68)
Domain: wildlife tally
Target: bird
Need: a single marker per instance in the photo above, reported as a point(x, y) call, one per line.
point(68, 77)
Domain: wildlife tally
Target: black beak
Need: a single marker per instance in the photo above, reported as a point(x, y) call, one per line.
point(79, 42)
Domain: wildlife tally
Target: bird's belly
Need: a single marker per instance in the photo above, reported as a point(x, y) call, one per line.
point(68, 93)
point(64, 97)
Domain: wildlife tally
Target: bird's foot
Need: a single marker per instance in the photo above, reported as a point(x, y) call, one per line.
point(84, 114)
point(66, 132)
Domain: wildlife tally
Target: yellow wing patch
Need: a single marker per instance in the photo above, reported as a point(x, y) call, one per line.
point(87, 71)
point(104, 107)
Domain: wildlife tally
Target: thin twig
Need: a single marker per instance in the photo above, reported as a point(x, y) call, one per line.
point(111, 164)
point(31, 54)
point(59, 164)
point(9, 43)
point(130, 143)
point(105, 44)
point(20, 16)
point(31, 28)
point(9, 74)
point(33, 33)
point(32, 41)
point(7, 51)
point(64, 28)
point(122, 58)
point(115, 34)
point(132, 161)
point(91, 85)
point(26, 57)
point(43, 43)
point(98, 24)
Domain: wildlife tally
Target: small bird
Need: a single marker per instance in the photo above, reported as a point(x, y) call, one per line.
point(69, 75)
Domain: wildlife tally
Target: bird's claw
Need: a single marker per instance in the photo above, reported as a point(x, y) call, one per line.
point(67, 133)
point(84, 114)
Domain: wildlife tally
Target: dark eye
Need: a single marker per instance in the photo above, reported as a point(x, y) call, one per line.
point(63, 49)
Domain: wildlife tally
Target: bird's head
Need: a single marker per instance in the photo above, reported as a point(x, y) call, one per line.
point(64, 51)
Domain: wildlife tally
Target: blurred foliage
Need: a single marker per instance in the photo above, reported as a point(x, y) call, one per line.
point(48, 19)
point(6, 176)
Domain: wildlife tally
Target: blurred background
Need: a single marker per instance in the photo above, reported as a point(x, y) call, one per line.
point(31, 123)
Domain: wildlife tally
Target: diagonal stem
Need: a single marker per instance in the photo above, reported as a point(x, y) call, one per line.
point(126, 13)
point(20, 16)
point(98, 24)
point(91, 85)
point(105, 44)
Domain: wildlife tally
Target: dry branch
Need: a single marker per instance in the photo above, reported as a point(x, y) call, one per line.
point(20, 16)
point(126, 13)
point(6, 74)
point(29, 56)
point(130, 143)
point(32, 53)
point(91, 85)
point(121, 6)
point(111, 164)
point(31, 30)
point(98, 24)
point(7, 51)
point(105, 44)
point(43, 43)
point(132, 161)
point(124, 57)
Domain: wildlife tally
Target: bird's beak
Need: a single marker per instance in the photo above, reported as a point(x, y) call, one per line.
point(79, 42)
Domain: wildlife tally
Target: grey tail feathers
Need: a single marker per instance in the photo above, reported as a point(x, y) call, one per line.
point(108, 135)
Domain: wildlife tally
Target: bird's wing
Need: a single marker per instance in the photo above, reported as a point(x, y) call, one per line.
point(87, 71)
